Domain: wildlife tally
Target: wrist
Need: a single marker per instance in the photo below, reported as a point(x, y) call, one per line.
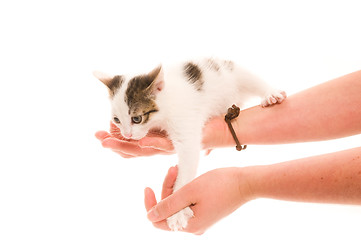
point(216, 134)
point(248, 183)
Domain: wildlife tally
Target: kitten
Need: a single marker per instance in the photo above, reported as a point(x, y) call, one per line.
point(180, 99)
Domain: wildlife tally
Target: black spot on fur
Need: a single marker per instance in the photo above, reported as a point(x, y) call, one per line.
point(115, 84)
point(194, 75)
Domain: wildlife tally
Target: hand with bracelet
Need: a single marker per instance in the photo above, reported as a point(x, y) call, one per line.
point(327, 111)
point(215, 135)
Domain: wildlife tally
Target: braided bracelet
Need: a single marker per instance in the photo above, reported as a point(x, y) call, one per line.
point(233, 113)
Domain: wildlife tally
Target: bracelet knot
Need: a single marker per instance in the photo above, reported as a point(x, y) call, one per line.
point(232, 113)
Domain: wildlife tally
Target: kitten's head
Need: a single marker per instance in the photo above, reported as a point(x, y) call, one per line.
point(134, 109)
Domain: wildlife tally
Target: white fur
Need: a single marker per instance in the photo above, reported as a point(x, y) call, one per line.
point(183, 111)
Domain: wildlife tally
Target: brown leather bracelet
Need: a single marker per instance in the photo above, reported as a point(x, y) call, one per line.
point(233, 113)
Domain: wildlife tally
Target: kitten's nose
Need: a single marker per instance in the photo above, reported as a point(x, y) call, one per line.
point(127, 135)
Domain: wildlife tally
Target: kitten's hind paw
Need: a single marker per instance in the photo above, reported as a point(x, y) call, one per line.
point(179, 220)
point(274, 97)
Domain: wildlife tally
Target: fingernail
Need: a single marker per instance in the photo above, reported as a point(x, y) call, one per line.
point(172, 169)
point(153, 214)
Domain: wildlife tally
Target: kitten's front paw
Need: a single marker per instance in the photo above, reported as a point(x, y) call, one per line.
point(179, 220)
point(273, 98)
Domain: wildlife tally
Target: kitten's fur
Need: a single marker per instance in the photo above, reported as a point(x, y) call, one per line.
point(180, 99)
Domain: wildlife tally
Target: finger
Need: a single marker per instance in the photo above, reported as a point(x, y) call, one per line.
point(160, 143)
point(101, 135)
point(163, 225)
point(113, 127)
point(117, 146)
point(208, 151)
point(115, 143)
point(128, 148)
point(123, 155)
point(169, 181)
point(149, 202)
point(171, 205)
point(115, 131)
point(149, 199)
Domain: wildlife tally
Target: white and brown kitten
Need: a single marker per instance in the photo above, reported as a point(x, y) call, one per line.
point(180, 99)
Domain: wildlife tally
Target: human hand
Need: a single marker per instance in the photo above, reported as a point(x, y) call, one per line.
point(211, 196)
point(215, 134)
point(126, 148)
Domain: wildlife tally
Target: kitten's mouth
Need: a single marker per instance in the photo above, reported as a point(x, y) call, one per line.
point(154, 132)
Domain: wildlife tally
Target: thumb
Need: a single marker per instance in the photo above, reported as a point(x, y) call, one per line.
point(170, 205)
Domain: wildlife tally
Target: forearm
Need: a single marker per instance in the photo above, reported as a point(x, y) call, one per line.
point(327, 111)
point(330, 178)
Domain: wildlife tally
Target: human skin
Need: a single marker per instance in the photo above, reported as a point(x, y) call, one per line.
point(329, 178)
point(327, 111)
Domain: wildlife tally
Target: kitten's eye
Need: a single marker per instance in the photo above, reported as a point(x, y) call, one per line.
point(116, 120)
point(137, 119)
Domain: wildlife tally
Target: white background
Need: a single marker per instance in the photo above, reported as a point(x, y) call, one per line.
point(57, 182)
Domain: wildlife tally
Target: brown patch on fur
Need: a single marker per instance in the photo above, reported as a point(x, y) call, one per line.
point(194, 75)
point(212, 64)
point(139, 95)
point(147, 113)
point(115, 84)
point(229, 65)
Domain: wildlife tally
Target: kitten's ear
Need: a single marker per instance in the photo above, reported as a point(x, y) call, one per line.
point(157, 84)
point(103, 77)
point(112, 82)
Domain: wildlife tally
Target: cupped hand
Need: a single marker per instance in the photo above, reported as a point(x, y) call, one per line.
point(215, 134)
point(154, 143)
point(211, 196)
